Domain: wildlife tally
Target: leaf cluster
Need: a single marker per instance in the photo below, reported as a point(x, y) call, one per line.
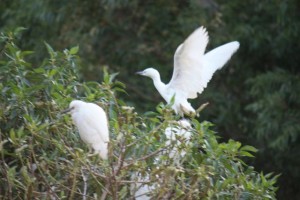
point(42, 156)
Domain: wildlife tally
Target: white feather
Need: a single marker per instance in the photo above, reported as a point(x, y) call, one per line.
point(91, 121)
point(192, 69)
point(139, 190)
point(181, 130)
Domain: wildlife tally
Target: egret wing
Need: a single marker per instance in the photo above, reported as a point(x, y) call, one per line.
point(188, 67)
point(97, 120)
point(216, 58)
point(192, 69)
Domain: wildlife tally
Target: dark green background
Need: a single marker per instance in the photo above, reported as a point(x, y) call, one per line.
point(255, 98)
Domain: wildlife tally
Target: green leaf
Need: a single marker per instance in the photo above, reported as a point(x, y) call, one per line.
point(245, 153)
point(74, 50)
point(39, 70)
point(11, 175)
point(18, 31)
point(50, 50)
point(112, 77)
point(248, 148)
point(12, 135)
point(53, 72)
point(25, 53)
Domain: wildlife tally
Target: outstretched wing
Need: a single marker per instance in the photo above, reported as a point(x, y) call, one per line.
point(192, 69)
point(216, 58)
point(187, 64)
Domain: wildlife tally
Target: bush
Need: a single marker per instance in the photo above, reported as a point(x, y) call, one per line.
point(42, 156)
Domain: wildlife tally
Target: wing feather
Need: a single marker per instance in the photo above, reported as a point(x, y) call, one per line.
point(187, 64)
point(192, 69)
point(216, 58)
point(98, 121)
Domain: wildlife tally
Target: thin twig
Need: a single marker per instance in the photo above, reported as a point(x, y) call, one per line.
point(126, 182)
point(52, 192)
point(201, 108)
point(144, 157)
point(146, 135)
point(104, 194)
point(84, 184)
point(115, 173)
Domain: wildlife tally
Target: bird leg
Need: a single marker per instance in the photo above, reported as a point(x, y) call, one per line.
point(189, 113)
point(193, 114)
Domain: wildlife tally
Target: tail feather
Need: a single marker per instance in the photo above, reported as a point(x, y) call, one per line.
point(101, 149)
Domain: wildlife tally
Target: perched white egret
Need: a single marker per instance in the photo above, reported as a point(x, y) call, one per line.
point(139, 190)
point(177, 134)
point(192, 70)
point(91, 121)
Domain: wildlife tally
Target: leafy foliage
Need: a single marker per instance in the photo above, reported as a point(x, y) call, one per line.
point(43, 158)
point(262, 101)
point(280, 91)
point(249, 99)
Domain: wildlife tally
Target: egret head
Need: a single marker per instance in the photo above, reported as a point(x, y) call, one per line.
point(150, 72)
point(74, 106)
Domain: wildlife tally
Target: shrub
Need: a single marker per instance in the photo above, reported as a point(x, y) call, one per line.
point(42, 156)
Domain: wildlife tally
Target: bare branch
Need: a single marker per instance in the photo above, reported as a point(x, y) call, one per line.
point(84, 184)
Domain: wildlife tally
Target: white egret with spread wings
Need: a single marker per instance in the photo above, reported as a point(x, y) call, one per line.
point(193, 69)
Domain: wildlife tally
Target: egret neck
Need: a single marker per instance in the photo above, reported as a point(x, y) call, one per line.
point(160, 86)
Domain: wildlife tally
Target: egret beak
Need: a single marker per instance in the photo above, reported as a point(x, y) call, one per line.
point(140, 73)
point(66, 111)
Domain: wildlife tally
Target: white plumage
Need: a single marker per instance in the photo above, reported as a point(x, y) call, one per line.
point(91, 121)
point(178, 133)
point(192, 70)
point(139, 190)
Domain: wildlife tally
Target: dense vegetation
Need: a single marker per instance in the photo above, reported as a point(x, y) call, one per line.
point(43, 158)
point(254, 99)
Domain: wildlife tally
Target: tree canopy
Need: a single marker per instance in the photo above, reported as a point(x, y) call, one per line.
point(254, 99)
point(43, 158)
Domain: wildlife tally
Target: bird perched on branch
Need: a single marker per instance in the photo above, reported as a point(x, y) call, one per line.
point(193, 69)
point(91, 121)
point(178, 133)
